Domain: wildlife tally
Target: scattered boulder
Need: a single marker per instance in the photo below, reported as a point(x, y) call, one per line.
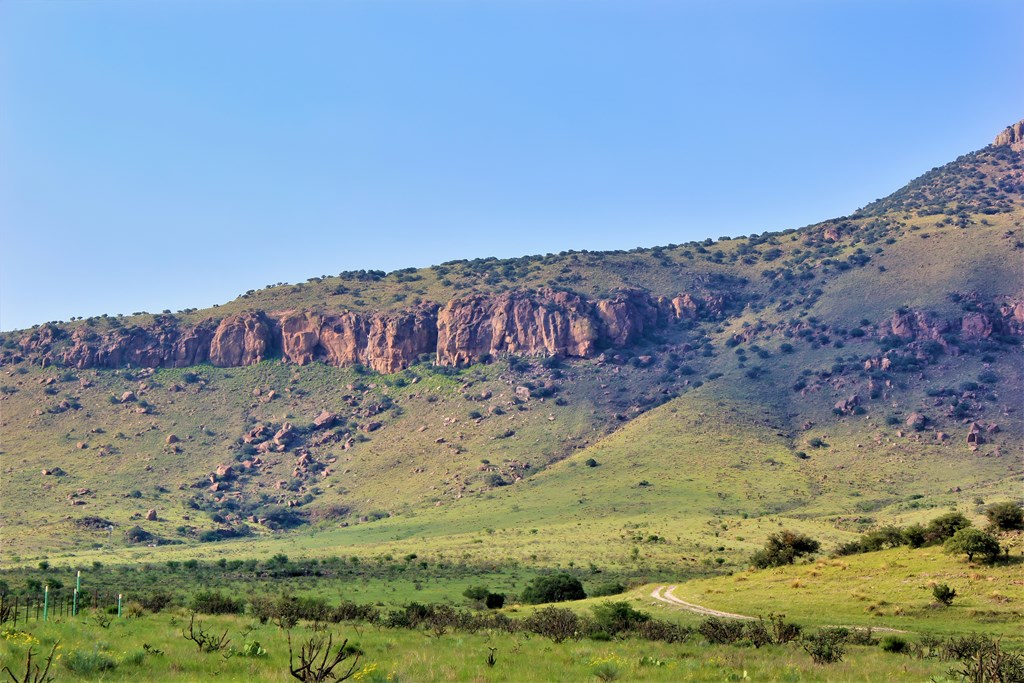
point(372, 427)
point(284, 434)
point(847, 405)
point(225, 472)
point(917, 421)
point(325, 419)
point(151, 515)
point(128, 397)
point(55, 472)
point(81, 445)
point(172, 438)
point(974, 437)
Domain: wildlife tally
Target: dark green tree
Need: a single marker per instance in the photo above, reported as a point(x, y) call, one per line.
point(553, 588)
point(783, 548)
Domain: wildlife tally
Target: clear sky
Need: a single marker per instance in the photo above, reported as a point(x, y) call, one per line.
point(170, 153)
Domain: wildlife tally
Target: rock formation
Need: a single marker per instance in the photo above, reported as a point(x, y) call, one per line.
point(1012, 136)
point(467, 330)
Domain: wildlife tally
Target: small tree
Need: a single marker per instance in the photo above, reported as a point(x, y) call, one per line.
point(973, 541)
point(783, 548)
point(1005, 516)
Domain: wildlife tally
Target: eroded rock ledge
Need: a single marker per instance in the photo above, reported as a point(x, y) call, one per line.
point(463, 331)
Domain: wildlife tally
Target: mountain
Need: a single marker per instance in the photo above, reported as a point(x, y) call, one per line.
point(863, 369)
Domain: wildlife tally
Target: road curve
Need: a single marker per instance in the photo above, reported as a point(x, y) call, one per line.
point(664, 594)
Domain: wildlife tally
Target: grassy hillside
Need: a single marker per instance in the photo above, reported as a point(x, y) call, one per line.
point(706, 435)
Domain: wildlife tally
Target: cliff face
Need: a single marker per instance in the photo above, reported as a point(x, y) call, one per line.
point(1012, 136)
point(463, 331)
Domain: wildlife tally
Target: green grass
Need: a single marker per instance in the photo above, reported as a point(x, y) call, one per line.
point(401, 655)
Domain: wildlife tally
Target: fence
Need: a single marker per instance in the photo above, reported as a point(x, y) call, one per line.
point(15, 609)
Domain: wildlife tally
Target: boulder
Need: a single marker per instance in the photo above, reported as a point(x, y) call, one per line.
point(128, 397)
point(151, 515)
point(285, 434)
point(325, 419)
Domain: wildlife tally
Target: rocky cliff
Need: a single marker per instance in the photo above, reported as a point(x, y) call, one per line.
point(463, 331)
point(1012, 136)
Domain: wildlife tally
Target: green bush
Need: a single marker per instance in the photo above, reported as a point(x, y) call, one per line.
point(945, 526)
point(88, 663)
point(615, 617)
point(214, 602)
point(943, 594)
point(605, 589)
point(1005, 516)
point(895, 644)
point(827, 646)
point(553, 588)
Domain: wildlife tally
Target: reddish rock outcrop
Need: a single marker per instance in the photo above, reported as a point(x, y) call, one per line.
point(544, 322)
point(244, 339)
point(548, 323)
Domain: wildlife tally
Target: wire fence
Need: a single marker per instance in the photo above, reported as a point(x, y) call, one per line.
point(15, 609)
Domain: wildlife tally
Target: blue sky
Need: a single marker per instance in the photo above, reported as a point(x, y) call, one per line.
point(171, 154)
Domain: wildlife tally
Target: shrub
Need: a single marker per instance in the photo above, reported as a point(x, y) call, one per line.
point(615, 617)
point(914, 535)
point(556, 623)
point(944, 594)
point(553, 588)
point(476, 593)
point(782, 630)
point(721, 631)
point(88, 663)
point(983, 659)
point(895, 644)
point(663, 631)
point(827, 646)
point(605, 589)
point(590, 462)
point(783, 548)
point(214, 602)
point(1006, 516)
point(494, 600)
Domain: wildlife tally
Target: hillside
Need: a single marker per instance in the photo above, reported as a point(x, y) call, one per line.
point(860, 370)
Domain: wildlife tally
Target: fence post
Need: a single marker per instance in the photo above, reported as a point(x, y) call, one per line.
point(118, 605)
